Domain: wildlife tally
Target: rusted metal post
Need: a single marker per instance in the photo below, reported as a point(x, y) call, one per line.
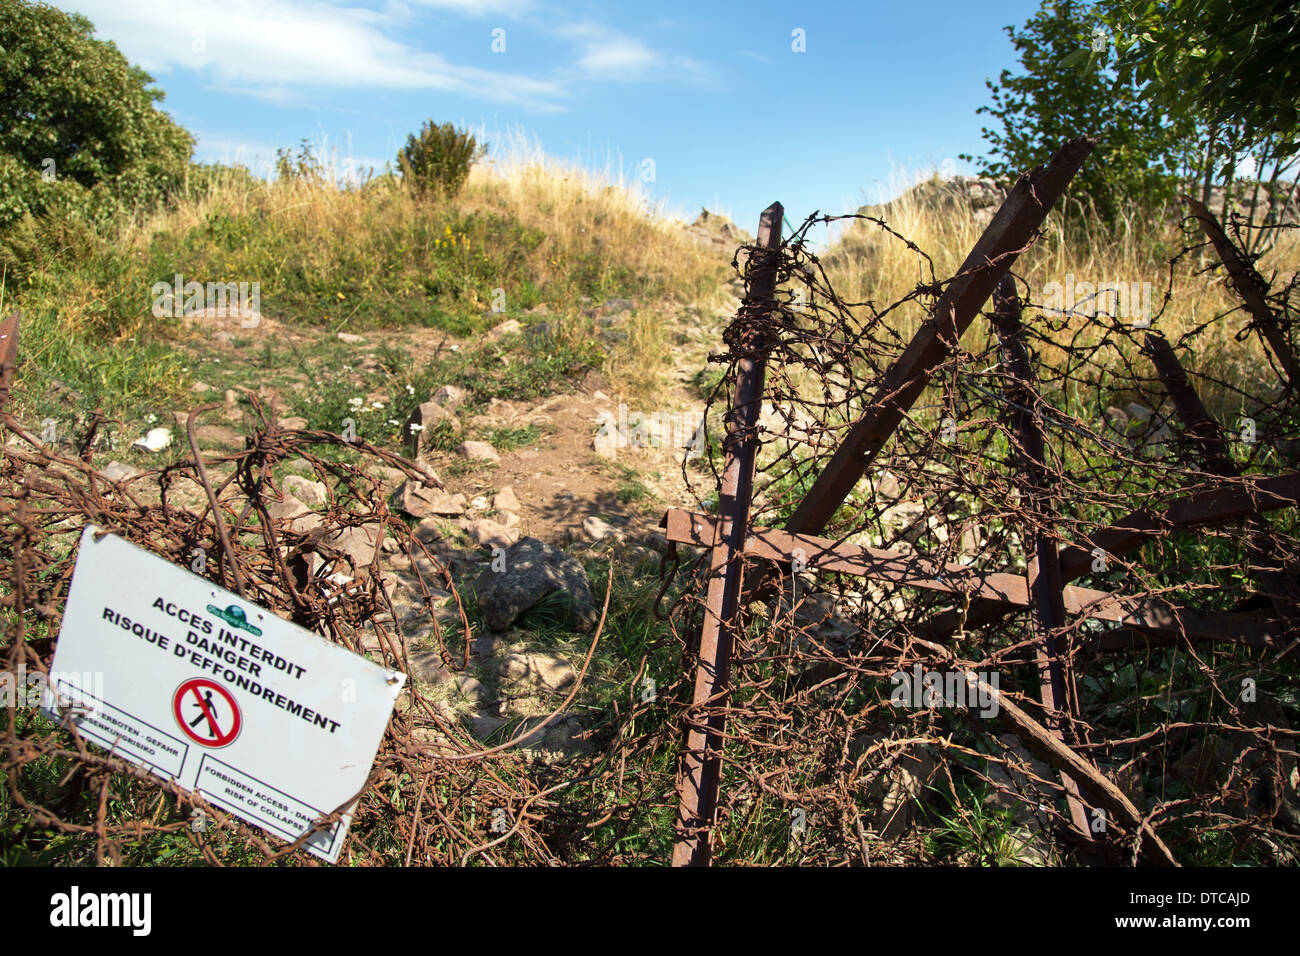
point(1043, 574)
point(1011, 231)
point(1150, 613)
point(701, 764)
point(1282, 589)
point(1252, 288)
point(1227, 502)
point(8, 356)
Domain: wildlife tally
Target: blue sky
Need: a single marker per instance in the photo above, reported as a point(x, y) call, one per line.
point(713, 93)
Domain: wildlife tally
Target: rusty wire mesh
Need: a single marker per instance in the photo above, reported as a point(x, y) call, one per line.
point(819, 761)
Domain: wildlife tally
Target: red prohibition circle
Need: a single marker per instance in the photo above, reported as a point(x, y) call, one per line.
point(207, 727)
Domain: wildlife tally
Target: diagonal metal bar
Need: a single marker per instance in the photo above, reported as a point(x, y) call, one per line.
point(1283, 590)
point(1198, 424)
point(1010, 232)
point(700, 769)
point(1239, 499)
point(1006, 589)
point(1043, 571)
point(8, 356)
point(1252, 288)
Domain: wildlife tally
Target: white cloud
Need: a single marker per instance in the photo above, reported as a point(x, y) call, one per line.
point(276, 47)
point(607, 54)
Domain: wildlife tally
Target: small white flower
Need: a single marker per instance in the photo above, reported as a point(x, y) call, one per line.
point(394, 421)
point(416, 427)
point(376, 405)
point(151, 418)
point(356, 402)
point(454, 348)
point(410, 390)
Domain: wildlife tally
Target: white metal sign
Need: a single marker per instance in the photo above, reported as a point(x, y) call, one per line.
point(263, 718)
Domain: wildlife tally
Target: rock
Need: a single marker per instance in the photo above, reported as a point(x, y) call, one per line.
point(472, 688)
point(428, 531)
point(656, 541)
point(563, 737)
point(1255, 778)
point(449, 396)
point(598, 529)
point(544, 672)
point(894, 792)
point(299, 466)
point(885, 485)
point(357, 543)
point(219, 435)
point(286, 507)
point(605, 448)
point(508, 327)
point(1117, 419)
point(314, 494)
point(427, 666)
point(231, 398)
point(421, 501)
point(116, 471)
point(533, 570)
point(484, 725)
point(349, 339)
point(155, 441)
point(200, 387)
point(295, 423)
point(1019, 785)
point(478, 503)
point(508, 518)
point(478, 451)
point(505, 500)
point(618, 306)
point(488, 533)
point(1138, 412)
point(906, 518)
point(422, 427)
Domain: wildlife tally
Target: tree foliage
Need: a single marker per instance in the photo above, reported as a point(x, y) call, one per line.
point(1065, 89)
point(438, 159)
point(1232, 64)
point(79, 126)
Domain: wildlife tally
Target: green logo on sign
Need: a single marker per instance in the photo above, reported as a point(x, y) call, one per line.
point(235, 617)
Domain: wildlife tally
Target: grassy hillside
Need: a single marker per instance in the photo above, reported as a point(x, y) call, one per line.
point(527, 236)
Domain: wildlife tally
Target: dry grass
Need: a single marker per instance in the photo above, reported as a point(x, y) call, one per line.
point(869, 265)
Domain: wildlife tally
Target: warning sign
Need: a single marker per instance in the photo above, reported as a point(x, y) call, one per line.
point(217, 721)
point(261, 717)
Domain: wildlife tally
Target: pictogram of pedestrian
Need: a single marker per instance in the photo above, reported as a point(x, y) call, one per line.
point(207, 712)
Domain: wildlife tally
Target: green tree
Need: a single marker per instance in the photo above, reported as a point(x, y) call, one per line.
point(1232, 67)
point(79, 126)
point(1066, 89)
point(438, 159)
point(1234, 64)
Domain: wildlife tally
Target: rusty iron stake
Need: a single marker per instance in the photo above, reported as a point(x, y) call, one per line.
point(1011, 231)
point(701, 764)
point(1043, 572)
point(1006, 590)
point(1224, 503)
point(1282, 589)
point(8, 356)
point(1250, 285)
